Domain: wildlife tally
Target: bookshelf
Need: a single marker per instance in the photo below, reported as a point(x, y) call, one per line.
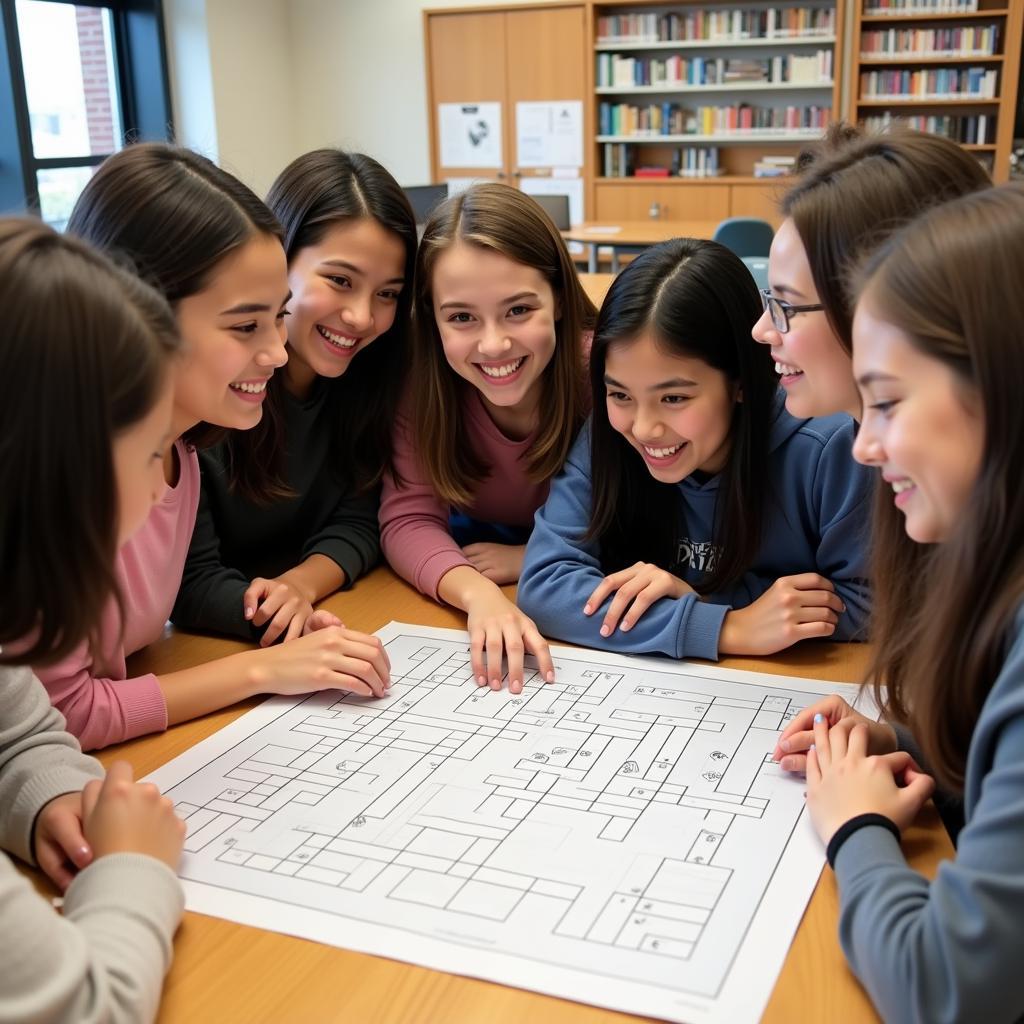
point(948, 66)
point(701, 92)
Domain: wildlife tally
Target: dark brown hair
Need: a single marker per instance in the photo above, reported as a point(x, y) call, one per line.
point(504, 220)
point(86, 348)
point(699, 301)
point(171, 216)
point(951, 282)
point(312, 194)
point(856, 188)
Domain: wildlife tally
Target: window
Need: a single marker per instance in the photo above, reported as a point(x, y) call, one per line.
point(78, 80)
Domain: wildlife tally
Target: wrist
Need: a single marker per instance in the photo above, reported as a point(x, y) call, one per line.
point(301, 586)
point(249, 675)
point(730, 639)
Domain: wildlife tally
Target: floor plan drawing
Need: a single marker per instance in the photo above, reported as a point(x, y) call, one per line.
point(620, 836)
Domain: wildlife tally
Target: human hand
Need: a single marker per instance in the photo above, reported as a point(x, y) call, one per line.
point(279, 605)
point(320, 619)
point(792, 609)
point(844, 781)
point(59, 843)
point(495, 626)
point(330, 658)
point(798, 736)
point(123, 816)
point(638, 588)
point(500, 563)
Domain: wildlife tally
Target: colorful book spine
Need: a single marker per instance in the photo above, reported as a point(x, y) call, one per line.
point(957, 41)
point(621, 71)
point(716, 25)
point(653, 120)
point(930, 84)
point(968, 129)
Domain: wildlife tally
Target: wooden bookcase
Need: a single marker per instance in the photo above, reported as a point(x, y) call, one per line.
point(735, 191)
point(890, 44)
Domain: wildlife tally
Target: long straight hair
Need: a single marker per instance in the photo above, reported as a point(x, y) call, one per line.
point(857, 188)
point(313, 194)
point(86, 352)
point(171, 216)
point(951, 282)
point(495, 218)
point(698, 301)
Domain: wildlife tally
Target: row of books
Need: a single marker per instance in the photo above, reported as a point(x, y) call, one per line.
point(774, 166)
point(971, 129)
point(961, 41)
point(921, 6)
point(716, 25)
point(687, 162)
point(615, 70)
point(656, 119)
point(931, 83)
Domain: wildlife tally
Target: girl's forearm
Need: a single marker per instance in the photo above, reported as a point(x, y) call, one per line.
point(316, 577)
point(461, 585)
point(204, 688)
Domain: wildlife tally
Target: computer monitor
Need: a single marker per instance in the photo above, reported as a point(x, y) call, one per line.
point(423, 199)
point(557, 208)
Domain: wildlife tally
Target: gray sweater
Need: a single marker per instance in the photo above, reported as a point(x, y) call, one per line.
point(105, 958)
point(236, 540)
point(951, 949)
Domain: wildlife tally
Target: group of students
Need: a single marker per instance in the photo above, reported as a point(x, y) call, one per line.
point(220, 411)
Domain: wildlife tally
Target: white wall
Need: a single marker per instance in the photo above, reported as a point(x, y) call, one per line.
point(257, 82)
point(232, 83)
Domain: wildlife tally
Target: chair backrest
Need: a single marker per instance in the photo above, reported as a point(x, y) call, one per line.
point(557, 208)
point(758, 268)
point(423, 199)
point(746, 236)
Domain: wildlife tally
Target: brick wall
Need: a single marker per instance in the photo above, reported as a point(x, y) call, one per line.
point(95, 81)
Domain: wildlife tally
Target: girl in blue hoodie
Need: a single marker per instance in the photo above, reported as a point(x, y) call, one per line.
point(695, 516)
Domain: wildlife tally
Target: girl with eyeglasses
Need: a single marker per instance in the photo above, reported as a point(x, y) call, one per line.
point(938, 357)
point(854, 191)
point(695, 516)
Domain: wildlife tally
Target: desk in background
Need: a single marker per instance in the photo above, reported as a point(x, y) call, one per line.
point(629, 234)
point(229, 973)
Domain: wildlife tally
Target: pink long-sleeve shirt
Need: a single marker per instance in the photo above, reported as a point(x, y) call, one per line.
point(90, 689)
point(414, 520)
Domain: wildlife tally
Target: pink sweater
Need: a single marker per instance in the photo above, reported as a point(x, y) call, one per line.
point(414, 521)
point(102, 706)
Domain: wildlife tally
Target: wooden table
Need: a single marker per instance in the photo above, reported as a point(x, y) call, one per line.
point(596, 286)
point(227, 973)
point(629, 234)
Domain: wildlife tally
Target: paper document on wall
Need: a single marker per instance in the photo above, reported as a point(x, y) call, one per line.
point(621, 836)
point(470, 134)
point(549, 134)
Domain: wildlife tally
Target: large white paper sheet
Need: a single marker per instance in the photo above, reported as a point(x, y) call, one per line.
point(619, 837)
point(549, 134)
point(470, 134)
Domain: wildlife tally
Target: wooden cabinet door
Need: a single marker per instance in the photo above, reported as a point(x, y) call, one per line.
point(465, 64)
point(545, 50)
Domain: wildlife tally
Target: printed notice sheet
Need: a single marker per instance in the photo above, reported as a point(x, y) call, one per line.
point(619, 837)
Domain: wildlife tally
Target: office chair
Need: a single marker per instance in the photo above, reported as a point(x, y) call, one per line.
point(423, 199)
point(746, 236)
point(758, 267)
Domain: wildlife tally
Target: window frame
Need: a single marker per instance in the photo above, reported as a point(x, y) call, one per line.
point(143, 88)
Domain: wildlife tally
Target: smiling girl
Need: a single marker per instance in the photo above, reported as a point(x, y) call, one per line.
point(214, 251)
point(497, 395)
point(855, 190)
point(288, 512)
point(939, 358)
point(696, 517)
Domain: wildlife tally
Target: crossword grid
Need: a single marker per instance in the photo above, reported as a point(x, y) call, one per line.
point(609, 762)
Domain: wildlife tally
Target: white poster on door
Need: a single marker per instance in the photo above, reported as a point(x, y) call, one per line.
point(470, 134)
point(549, 134)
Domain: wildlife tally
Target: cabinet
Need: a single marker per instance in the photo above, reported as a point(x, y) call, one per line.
point(948, 66)
point(504, 55)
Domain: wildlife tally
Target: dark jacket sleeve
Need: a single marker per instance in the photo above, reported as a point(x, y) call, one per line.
point(210, 596)
point(351, 537)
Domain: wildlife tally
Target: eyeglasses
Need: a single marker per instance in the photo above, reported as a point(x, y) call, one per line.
point(782, 312)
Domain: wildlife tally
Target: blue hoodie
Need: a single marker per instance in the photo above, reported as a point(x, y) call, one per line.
point(816, 520)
